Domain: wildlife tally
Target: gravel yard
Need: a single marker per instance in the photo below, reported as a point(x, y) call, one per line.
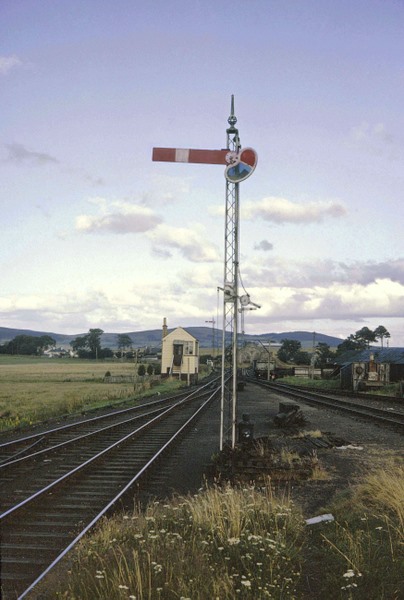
point(365, 446)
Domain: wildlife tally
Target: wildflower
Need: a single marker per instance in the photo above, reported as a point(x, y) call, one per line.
point(233, 541)
point(379, 528)
point(349, 573)
point(123, 587)
point(99, 576)
point(246, 583)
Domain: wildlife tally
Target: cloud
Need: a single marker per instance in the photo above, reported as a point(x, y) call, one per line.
point(371, 133)
point(374, 139)
point(264, 245)
point(19, 154)
point(118, 217)
point(7, 63)
point(282, 210)
point(323, 272)
point(191, 297)
point(192, 244)
point(165, 190)
point(380, 299)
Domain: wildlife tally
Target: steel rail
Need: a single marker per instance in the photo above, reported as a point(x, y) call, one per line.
point(97, 456)
point(68, 426)
point(78, 438)
point(112, 502)
point(360, 410)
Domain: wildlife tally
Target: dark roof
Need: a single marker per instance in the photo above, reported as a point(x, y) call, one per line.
point(381, 355)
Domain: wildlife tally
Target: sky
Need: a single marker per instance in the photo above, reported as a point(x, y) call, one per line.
point(95, 234)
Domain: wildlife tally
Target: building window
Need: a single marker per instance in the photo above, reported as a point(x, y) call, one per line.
point(188, 346)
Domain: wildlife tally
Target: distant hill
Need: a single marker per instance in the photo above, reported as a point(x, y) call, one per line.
point(152, 337)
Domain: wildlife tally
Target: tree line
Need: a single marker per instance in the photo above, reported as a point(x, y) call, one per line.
point(291, 350)
point(28, 345)
point(86, 346)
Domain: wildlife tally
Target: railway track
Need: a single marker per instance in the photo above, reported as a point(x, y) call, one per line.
point(54, 490)
point(360, 408)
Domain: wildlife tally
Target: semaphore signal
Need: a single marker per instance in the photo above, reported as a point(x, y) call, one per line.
point(239, 164)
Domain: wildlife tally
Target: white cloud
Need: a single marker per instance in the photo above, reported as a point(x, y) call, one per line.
point(322, 272)
point(7, 63)
point(191, 243)
point(380, 299)
point(118, 217)
point(282, 210)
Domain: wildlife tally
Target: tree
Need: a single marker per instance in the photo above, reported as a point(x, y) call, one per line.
point(288, 350)
point(79, 343)
point(324, 354)
point(94, 341)
point(348, 345)
point(141, 370)
point(124, 341)
point(28, 344)
point(105, 353)
point(381, 333)
point(301, 358)
point(149, 369)
point(45, 342)
point(362, 339)
point(365, 336)
point(89, 345)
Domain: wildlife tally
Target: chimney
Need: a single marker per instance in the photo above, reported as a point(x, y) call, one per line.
point(164, 328)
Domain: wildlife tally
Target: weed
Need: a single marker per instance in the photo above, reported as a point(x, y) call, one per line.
point(220, 543)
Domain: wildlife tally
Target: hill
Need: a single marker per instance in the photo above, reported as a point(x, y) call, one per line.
point(152, 337)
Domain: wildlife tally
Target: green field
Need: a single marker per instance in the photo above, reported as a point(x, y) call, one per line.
point(33, 390)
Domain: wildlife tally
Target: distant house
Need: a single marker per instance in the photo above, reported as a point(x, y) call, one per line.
point(57, 353)
point(179, 354)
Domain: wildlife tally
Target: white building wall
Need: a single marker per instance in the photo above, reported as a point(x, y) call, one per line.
point(180, 354)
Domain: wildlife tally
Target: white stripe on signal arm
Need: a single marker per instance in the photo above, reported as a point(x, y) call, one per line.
point(181, 155)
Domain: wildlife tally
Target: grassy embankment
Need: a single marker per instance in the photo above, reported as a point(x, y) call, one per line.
point(245, 543)
point(33, 390)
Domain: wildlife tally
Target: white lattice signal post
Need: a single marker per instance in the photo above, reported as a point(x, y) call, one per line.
point(240, 163)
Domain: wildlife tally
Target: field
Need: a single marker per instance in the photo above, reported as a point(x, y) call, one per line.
point(33, 390)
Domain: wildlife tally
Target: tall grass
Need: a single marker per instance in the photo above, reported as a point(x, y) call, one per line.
point(227, 543)
point(362, 552)
point(231, 543)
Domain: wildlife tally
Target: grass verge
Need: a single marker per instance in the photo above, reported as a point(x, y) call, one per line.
point(361, 554)
point(227, 543)
point(221, 543)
